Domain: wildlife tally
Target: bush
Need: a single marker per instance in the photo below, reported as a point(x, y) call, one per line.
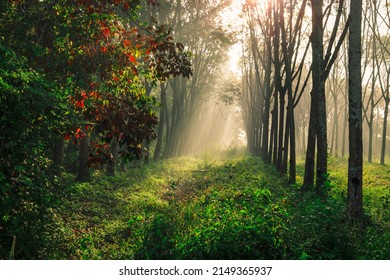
point(28, 114)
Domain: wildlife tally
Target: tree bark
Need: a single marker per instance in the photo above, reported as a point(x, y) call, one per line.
point(268, 92)
point(83, 172)
point(355, 160)
point(384, 131)
point(317, 125)
point(111, 163)
point(161, 125)
point(311, 145)
point(319, 88)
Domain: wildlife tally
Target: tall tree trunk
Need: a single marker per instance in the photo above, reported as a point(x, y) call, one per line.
point(373, 80)
point(322, 145)
point(311, 145)
point(318, 93)
point(83, 172)
point(290, 121)
point(285, 146)
point(281, 147)
point(384, 131)
point(111, 164)
point(355, 160)
point(266, 117)
point(278, 90)
point(293, 160)
point(161, 125)
point(268, 92)
point(275, 121)
point(345, 125)
point(171, 136)
point(336, 126)
point(370, 125)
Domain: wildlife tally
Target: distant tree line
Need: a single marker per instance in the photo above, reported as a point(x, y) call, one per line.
point(292, 63)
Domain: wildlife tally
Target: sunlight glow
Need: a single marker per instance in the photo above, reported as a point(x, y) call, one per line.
point(251, 3)
point(233, 18)
point(235, 54)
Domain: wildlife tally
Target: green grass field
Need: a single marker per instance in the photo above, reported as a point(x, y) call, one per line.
point(207, 208)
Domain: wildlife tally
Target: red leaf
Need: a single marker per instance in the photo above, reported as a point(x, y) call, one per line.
point(80, 104)
point(106, 32)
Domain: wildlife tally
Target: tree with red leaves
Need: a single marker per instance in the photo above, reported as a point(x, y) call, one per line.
point(101, 55)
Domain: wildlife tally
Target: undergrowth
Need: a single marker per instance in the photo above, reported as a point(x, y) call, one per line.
point(190, 208)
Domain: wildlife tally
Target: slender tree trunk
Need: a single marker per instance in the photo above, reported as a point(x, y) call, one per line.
point(275, 121)
point(112, 163)
point(271, 139)
point(311, 145)
point(83, 172)
point(278, 90)
point(289, 143)
point(171, 141)
point(336, 126)
point(161, 125)
point(373, 80)
point(355, 160)
point(318, 92)
point(265, 142)
point(345, 125)
point(384, 131)
point(332, 137)
point(303, 138)
point(293, 160)
point(286, 146)
point(279, 164)
point(268, 93)
point(370, 132)
point(322, 145)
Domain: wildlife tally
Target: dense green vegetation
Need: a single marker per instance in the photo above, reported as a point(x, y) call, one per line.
point(188, 208)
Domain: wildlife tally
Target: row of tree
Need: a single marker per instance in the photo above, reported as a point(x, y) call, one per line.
point(288, 58)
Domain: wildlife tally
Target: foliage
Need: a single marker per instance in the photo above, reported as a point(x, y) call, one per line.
point(212, 209)
point(71, 69)
point(102, 56)
point(30, 111)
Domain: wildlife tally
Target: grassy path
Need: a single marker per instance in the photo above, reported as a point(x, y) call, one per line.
point(189, 208)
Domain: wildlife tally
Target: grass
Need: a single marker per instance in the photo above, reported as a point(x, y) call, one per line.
point(207, 208)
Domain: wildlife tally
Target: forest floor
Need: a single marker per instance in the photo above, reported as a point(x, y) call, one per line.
point(216, 208)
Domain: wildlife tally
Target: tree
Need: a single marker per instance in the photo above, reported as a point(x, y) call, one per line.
point(355, 160)
point(321, 66)
point(99, 52)
point(196, 26)
point(278, 67)
point(73, 70)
